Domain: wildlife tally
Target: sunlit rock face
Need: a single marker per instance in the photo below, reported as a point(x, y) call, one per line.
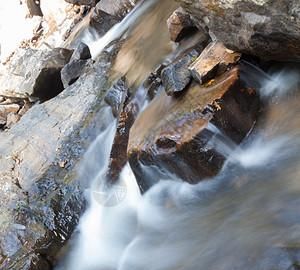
point(172, 133)
point(268, 29)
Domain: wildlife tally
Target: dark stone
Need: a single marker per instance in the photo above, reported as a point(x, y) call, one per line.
point(176, 76)
point(180, 25)
point(171, 136)
point(253, 27)
point(83, 2)
point(117, 95)
point(82, 52)
point(73, 70)
point(118, 154)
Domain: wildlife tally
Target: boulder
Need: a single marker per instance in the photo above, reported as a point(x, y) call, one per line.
point(41, 200)
point(82, 52)
point(107, 13)
point(83, 2)
point(172, 135)
point(180, 25)
point(34, 73)
point(73, 70)
point(176, 76)
point(215, 59)
point(256, 27)
point(118, 154)
point(117, 95)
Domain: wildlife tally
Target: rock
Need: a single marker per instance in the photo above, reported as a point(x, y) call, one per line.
point(82, 52)
point(176, 76)
point(118, 154)
point(171, 135)
point(83, 2)
point(215, 59)
point(73, 70)
point(117, 95)
point(117, 8)
point(34, 73)
point(40, 201)
point(34, 8)
point(107, 13)
point(257, 27)
point(102, 21)
point(12, 118)
point(180, 25)
point(6, 109)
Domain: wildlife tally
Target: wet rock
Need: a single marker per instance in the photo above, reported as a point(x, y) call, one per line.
point(102, 21)
point(34, 73)
point(172, 135)
point(176, 76)
point(41, 201)
point(73, 70)
point(117, 8)
point(107, 13)
point(180, 25)
point(215, 59)
point(117, 95)
point(82, 52)
point(257, 27)
point(83, 2)
point(118, 154)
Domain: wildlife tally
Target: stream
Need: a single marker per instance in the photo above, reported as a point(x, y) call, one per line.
point(246, 217)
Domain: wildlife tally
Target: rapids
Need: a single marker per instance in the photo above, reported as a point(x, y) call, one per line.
point(240, 219)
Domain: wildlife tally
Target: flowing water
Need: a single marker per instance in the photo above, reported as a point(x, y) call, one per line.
point(247, 217)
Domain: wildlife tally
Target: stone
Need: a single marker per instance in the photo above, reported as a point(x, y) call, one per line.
point(215, 59)
point(41, 202)
point(257, 27)
point(118, 154)
point(82, 52)
point(180, 25)
point(107, 13)
point(171, 136)
point(12, 118)
point(73, 70)
point(83, 2)
point(34, 73)
point(176, 76)
point(117, 95)
point(10, 108)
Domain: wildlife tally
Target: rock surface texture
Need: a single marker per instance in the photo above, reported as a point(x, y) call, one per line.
point(269, 29)
point(34, 73)
point(173, 134)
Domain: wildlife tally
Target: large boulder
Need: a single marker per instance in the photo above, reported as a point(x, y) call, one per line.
point(173, 135)
point(41, 201)
point(269, 29)
point(107, 13)
point(34, 73)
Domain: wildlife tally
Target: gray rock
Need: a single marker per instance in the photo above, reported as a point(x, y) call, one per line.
point(34, 73)
point(73, 70)
point(82, 52)
point(83, 2)
point(269, 29)
point(176, 76)
point(116, 96)
point(37, 192)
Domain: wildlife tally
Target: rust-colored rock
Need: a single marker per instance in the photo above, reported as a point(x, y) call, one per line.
point(214, 59)
point(118, 154)
point(180, 25)
point(172, 132)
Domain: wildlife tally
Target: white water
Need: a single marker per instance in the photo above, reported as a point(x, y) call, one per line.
point(246, 218)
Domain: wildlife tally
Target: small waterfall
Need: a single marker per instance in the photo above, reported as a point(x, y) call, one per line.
point(237, 220)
